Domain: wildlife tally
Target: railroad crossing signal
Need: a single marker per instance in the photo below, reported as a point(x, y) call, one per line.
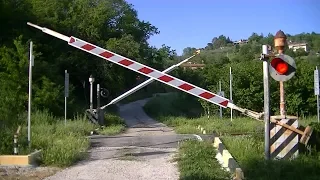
point(282, 67)
point(104, 92)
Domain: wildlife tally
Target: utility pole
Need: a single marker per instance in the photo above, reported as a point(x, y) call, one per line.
point(220, 94)
point(231, 92)
point(31, 64)
point(66, 94)
point(316, 89)
point(266, 102)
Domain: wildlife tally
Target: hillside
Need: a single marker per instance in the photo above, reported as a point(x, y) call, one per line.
point(222, 50)
point(222, 53)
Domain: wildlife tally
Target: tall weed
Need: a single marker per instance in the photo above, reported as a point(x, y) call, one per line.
point(61, 144)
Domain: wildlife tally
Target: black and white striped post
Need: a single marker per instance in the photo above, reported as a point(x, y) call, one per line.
point(284, 143)
point(15, 144)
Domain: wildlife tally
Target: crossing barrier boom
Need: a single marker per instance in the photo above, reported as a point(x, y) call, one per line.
point(149, 72)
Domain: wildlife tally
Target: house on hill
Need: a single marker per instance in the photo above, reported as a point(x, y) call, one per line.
point(192, 65)
point(241, 41)
point(295, 46)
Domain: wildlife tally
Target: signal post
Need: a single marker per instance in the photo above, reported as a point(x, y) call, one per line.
point(282, 140)
point(284, 65)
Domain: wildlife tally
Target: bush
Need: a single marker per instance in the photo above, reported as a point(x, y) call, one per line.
point(7, 133)
point(314, 141)
point(174, 104)
point(113, 119)
point(42, 117)
point(114, 125)
point(6, 141)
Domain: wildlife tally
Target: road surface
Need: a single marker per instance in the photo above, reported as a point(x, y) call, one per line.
point(145, 151)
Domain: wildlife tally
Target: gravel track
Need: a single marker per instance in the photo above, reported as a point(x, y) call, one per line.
point(144, 152)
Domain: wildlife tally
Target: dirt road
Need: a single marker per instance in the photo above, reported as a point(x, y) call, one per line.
point(145, 151)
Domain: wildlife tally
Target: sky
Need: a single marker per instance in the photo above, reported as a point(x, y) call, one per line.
point(193, 23)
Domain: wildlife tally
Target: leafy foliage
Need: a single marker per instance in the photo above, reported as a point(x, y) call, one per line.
point(112, 24)
point(247, 73)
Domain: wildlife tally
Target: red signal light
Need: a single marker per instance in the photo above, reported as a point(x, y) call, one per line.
point(282, 67)
point(279, 65)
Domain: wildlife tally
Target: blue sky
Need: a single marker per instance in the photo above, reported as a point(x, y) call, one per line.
point(186, 23)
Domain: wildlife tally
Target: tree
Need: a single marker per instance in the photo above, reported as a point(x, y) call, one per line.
point(245, 53)
point(255, 38)
point(316, 44)
point(268, 40)
point(209, 46)
point(188, 51)
point(112, 24)
point(301, 52)
point(219, 42)
point(13, 65)
point(247, 73)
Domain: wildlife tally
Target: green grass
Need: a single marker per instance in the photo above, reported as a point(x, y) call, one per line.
point(307, 121)
point(112, 130)
point(196, 160)
point(244, 147)
point(174, 110)
point(114, 125)
point(61, 145)
point(249, 153)
point(248, 150)
point(212, 125)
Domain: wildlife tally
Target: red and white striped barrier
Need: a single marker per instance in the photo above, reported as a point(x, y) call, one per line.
point(140, 68)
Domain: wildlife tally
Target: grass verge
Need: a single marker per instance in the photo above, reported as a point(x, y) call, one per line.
point(114, 125)
point(249, 153)
point(61, 144)
point(247, 149)
point(196, 160)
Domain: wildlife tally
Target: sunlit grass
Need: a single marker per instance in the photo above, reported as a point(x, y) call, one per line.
point(247, 149)
point(62, 144)
point(196, 160)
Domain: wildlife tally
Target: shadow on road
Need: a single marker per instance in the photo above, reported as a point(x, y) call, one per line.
point(147, 153)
